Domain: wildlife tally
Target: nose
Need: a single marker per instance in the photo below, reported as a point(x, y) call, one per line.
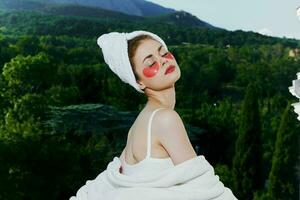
point(163, 60)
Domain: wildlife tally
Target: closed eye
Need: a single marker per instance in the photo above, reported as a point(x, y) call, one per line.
point(152, 64)
point(166, 54)
point(155, 62)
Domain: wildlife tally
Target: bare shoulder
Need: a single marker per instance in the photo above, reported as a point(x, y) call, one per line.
point(173, 136)
point(167, 122)
point(168, 115)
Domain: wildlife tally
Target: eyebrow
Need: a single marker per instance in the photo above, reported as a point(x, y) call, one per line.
point(159, 48)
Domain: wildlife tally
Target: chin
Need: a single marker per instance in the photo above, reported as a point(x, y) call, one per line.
point(174, 79)
point(178, 75)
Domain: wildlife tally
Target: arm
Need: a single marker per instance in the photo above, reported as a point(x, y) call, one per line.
point(122, 154)
point(173, 136)
point(122, 158)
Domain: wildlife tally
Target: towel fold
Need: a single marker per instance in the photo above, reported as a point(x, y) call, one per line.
point(193, 179)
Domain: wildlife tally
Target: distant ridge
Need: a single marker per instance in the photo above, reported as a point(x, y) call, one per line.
point(130, 7)
point(150, 12)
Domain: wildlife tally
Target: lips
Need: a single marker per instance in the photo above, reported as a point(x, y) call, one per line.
point(170, 69)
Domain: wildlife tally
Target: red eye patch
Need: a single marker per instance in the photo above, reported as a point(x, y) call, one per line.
point(169, 56)
point(151, 71)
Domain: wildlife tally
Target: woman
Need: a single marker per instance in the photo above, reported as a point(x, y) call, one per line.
point(156, 72)
point(158, 161)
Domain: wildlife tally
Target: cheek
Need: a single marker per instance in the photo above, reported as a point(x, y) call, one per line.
point(169, 56)
point(151, 71)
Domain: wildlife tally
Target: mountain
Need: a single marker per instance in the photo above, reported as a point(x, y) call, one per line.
point(139, 10)
point(130, 7)
point(85, 11)
point(182, 18)
point(62, 9)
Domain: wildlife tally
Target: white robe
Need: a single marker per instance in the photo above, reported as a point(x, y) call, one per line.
point(193, 179)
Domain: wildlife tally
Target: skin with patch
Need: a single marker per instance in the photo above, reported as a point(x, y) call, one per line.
point(170, 56)
point(151, 61)
point(153, 69)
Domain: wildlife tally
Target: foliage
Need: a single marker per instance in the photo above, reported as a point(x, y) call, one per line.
point(51, 63)
point(247, 161)
point(283, 182)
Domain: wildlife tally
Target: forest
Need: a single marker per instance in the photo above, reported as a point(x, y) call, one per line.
point(64, 115)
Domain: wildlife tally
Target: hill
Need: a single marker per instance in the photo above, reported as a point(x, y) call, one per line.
point(130, 7)
point(56, 7)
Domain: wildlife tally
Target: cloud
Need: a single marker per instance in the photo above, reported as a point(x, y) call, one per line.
point(265, 31)
point(298, 12)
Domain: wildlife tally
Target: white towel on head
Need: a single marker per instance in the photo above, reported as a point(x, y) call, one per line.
point(115, 53)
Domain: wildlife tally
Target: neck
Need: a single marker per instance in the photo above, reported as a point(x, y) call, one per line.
point(164, 98)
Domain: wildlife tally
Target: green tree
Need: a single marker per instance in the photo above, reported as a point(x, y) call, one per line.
point(283, 178)
point(28, 45)
point(247, 162)
point(6, 52)
point(25, 115)
point(30, 74)
point(225, 175)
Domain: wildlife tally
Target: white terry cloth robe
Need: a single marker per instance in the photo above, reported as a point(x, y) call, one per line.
point(193, 179)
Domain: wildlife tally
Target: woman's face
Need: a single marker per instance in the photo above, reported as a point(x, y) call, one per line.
point(151, 62)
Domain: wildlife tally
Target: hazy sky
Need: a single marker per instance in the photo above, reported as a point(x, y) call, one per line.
point(270, 17)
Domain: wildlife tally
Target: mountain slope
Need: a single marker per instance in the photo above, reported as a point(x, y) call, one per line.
point(130, 7)
point(182, 18)
point(86, 11)
point(49, 6)
point(41, 24)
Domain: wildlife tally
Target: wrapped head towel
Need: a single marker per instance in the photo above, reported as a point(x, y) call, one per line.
point(115, 52)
